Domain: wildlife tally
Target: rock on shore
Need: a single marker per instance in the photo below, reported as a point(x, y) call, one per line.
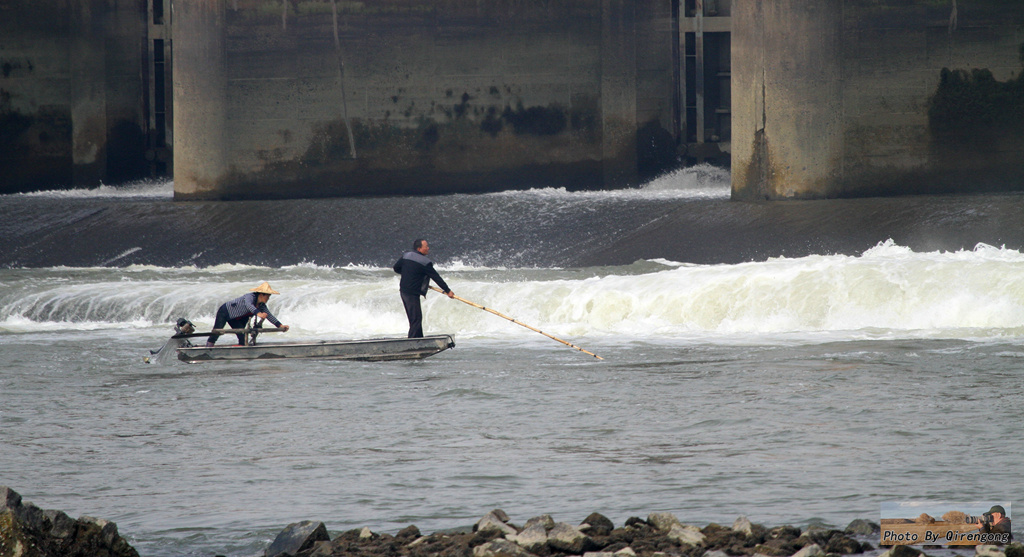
point(494, 535)
point(28, 531)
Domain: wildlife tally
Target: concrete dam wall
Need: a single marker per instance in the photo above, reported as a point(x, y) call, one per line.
point(843, 98)
point(72, 93)
point(308, 98)
point(299, 98)
point(312, 98)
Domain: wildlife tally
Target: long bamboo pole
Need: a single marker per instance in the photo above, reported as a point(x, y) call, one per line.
point(487, 309)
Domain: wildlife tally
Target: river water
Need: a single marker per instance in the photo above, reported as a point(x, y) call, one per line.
point(792, 389)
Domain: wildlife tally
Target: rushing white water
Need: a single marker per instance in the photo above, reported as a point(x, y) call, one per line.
point(887, 292)
point(142, 189)
point(702, 181)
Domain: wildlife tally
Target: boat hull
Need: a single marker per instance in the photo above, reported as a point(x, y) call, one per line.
point(372, 350)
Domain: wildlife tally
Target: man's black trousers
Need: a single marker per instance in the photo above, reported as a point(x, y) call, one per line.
point(414, 313)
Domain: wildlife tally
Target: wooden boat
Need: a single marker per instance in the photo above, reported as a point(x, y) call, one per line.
point(373, 350)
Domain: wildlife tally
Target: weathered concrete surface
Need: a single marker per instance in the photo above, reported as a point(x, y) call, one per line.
point(71, 93)
point(323, 97)
point(843, 98)
point(200, 96)
point(787, 139)
point(313, 98)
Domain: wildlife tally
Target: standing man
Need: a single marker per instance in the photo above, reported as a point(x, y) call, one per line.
point(416, 271)
point(237, 312)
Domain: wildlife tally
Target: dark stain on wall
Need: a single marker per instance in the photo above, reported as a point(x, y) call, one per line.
point(460, 109)
point(34, 149)
point(16, 68)
point(969, 103)
point(126, 152)
point(428, 136)
point(330, 142)
point(655, 151)
point(536, 120)
point(492, 123)
point(977, 131)
point(756, 187)
point(12, 123)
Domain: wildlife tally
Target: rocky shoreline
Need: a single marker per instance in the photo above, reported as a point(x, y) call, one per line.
point(27, 531)
point(659, 535)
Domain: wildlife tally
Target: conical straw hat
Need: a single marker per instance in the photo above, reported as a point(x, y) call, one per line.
point(264, 289)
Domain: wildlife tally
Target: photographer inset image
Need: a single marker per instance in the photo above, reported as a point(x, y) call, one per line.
point(968, 527)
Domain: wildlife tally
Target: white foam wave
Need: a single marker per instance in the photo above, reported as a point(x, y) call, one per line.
point(141, 189)
point(461, 265)
point(887, 292)
point(313, 266)
point(703, 181)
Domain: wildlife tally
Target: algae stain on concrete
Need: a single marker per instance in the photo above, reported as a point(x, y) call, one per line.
point(971, 105)
point(755, 184)
point(12, 123)
point(976, 123)
point(536, 120)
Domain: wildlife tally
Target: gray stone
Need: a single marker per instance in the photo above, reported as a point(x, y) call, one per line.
point(27, 513)
point(61, 525)
point(410, 532)
point(107, 529)
point(813, 550)
point(544, 519)
point(772, 549)
point(533, 537)
point(493, 521)
point(599, 525)
point(96, 536)
point(568, 538)
point(685, 534)
point(35, 518)
point(9, 499)
point(816, 535)
point(296, 537)
point(902, 551)
point(662, 521)
point(743, 525)
point(322, 549)
point(986, 550)
point(861, 527)
point(842, 544)
point(500, 548)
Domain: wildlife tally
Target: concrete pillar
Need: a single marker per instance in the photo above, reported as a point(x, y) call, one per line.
point(200, 97)
point(787, 107)
point(618, 92)
point(88, 103)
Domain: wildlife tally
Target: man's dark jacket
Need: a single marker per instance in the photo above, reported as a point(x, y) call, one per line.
point(417, 271)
